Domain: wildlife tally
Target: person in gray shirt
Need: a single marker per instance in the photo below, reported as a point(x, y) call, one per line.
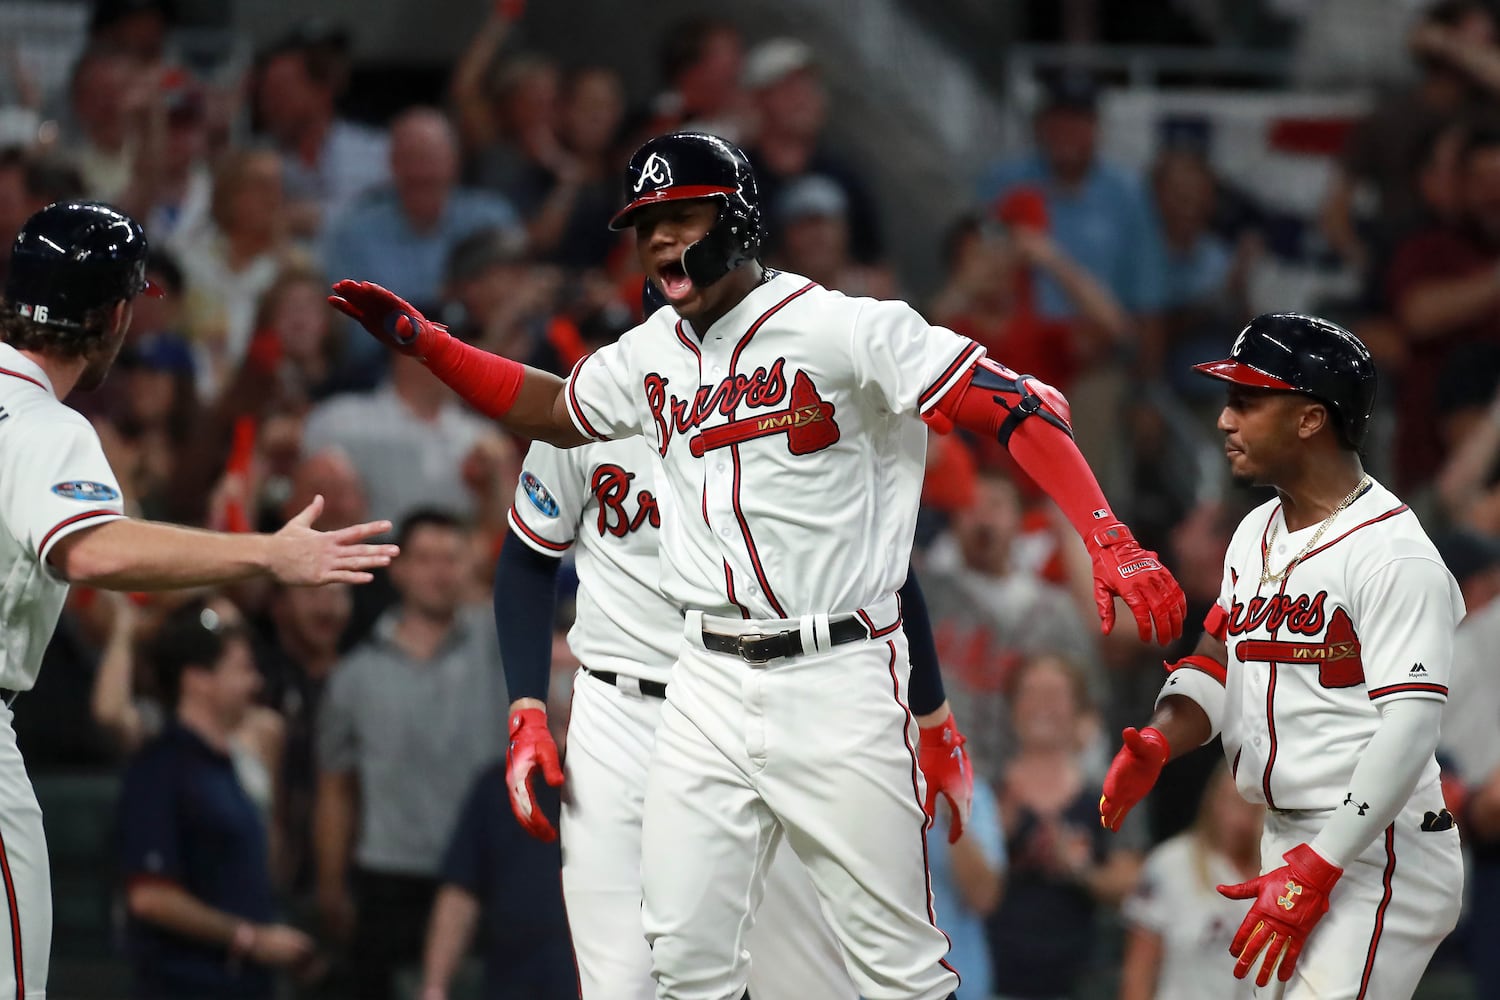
point(411, 717)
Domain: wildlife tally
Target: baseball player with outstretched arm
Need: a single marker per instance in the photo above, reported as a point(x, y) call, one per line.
point(787, 422)
point(600, 499)
point(1324, 666)
point(75, 268)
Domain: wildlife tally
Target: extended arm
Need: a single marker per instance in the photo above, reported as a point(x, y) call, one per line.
point(450, 931)
point(528, 401)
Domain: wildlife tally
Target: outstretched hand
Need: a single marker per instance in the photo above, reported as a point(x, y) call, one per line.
point(387, 317)
point(304, 556)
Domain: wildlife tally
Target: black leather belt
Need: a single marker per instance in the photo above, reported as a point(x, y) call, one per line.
point(762, 647)
point(651, 689)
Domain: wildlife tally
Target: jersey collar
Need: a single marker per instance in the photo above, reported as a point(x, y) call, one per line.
point(756, 301)
point(14, 364)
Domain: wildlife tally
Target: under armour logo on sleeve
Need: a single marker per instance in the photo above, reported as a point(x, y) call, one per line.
point(1361, 806)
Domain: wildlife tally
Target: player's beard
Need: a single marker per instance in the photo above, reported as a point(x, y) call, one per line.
point(97, 369)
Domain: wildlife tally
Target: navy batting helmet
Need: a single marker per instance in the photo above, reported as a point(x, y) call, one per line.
point(74, 256)
point(1291, 352)
point(687, 165)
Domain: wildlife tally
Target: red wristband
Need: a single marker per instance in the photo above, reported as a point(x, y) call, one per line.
point(488, 382)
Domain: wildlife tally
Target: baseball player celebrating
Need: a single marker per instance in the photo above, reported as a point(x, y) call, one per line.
point(787, 425)
point(74, 269)
point(601, 498)
point(1324, 666)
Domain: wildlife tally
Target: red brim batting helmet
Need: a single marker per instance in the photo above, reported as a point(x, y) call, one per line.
point(1290, 352)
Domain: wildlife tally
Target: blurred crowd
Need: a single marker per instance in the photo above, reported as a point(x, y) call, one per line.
point(359, 816)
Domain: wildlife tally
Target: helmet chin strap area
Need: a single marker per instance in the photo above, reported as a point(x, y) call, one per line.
point(719, 252)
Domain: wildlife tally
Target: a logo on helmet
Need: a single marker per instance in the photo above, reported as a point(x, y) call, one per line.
point(656, 171)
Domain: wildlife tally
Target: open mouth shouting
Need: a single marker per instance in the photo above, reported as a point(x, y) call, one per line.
point(673, 281)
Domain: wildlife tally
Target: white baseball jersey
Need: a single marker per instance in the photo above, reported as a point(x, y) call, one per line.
point(54, 480)
point(601, 497)
point(791, 465)
point(1367, 615)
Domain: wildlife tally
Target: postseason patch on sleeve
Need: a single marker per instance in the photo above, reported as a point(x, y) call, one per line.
point(541, 498)
point(82, 489)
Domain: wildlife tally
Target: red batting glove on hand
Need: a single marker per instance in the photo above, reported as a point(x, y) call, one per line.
point(531, 746)
point(388, 317)
point(1122, 567)
point(945, 765)
point(1132, 774)
point(1289, 902)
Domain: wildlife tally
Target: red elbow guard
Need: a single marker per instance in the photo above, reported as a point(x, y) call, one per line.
point(993, 400)
point(1198, 661)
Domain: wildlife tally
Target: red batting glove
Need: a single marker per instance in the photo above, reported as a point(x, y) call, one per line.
point(388, 317)
point(945, 765)
point(1122, 567)
point(1289, 902)
point(1132, 774)
point(531, 746)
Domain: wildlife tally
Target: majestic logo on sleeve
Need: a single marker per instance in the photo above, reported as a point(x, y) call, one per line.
point(656, 171)
point(806, 420)
point(610, 485)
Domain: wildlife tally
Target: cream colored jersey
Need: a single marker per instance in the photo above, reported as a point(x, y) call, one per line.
point(1367, 615)
point(54, 480)
point(791, 455)
point(601, 499)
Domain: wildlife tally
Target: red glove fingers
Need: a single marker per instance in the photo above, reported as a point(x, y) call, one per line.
point(945, 764)
point(1122, 567)
point(387, 317)
point(1288, 903)
point(531, 746)
point(1132, 774)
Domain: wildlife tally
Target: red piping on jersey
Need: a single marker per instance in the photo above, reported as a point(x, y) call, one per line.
point(24, 378)
point(1381, 692)
point(688, 343)
point(15, 919)
point(577, 410)
point(916, 790)
point(41, 549)
point(1265, 779)
point(870, 625)
point(729, 586)
point(734, 452)
point(1363, 524)
point(545, 543)
point(1385, 901)
point(953, 369)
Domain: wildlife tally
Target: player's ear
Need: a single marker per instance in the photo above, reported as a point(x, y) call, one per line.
point(1313, 419)
point(120, 318)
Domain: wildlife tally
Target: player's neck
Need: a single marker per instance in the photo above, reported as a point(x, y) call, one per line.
point(1319, 489)
point(63, 373)
point(738, 283)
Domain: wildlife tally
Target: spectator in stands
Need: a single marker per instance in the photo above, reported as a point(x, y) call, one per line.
point(792, 111)
point(15, 208)
point(993, 266)
point(495, 872)
point(1063, 865)
point(496, 296)
point(1454, 47)
point(1444, 289)
point(194, 850)
point(177, 190)
point(1098, 213)
point(990, 614)
point(296, 651)
point(309, 341)
point(107, 90)
point(1468, 485)
point(700, 60)
point(158, 414)
point(230, 265)
point(136, 27)
point(968, 878)
point(1179, 925)
point(328, 161)
point(815, 240)
point(1468, 741)
point(408, 439)
point(410, 719)
point(400, 236)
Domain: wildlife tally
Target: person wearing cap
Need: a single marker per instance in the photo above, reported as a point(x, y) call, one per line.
point(194, 849)
point(816, 239)
point(781, 75)
point(136, 27)
point(329, 161)
point(75, 269)
point(1471, 742)
point(1099, 212)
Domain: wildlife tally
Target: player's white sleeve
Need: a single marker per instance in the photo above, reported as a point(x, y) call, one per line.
point(909, 362)
point(1405, 614)
point(604, 393)
point(56, 483)
point(549, 498)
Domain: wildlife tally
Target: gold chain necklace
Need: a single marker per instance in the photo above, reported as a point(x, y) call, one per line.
point(1266, 576)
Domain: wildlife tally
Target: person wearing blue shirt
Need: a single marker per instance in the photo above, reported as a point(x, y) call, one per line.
point(1099, 213)
point(494, 870)
point(967, 880)
point(400, 236)
point(193, 845)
